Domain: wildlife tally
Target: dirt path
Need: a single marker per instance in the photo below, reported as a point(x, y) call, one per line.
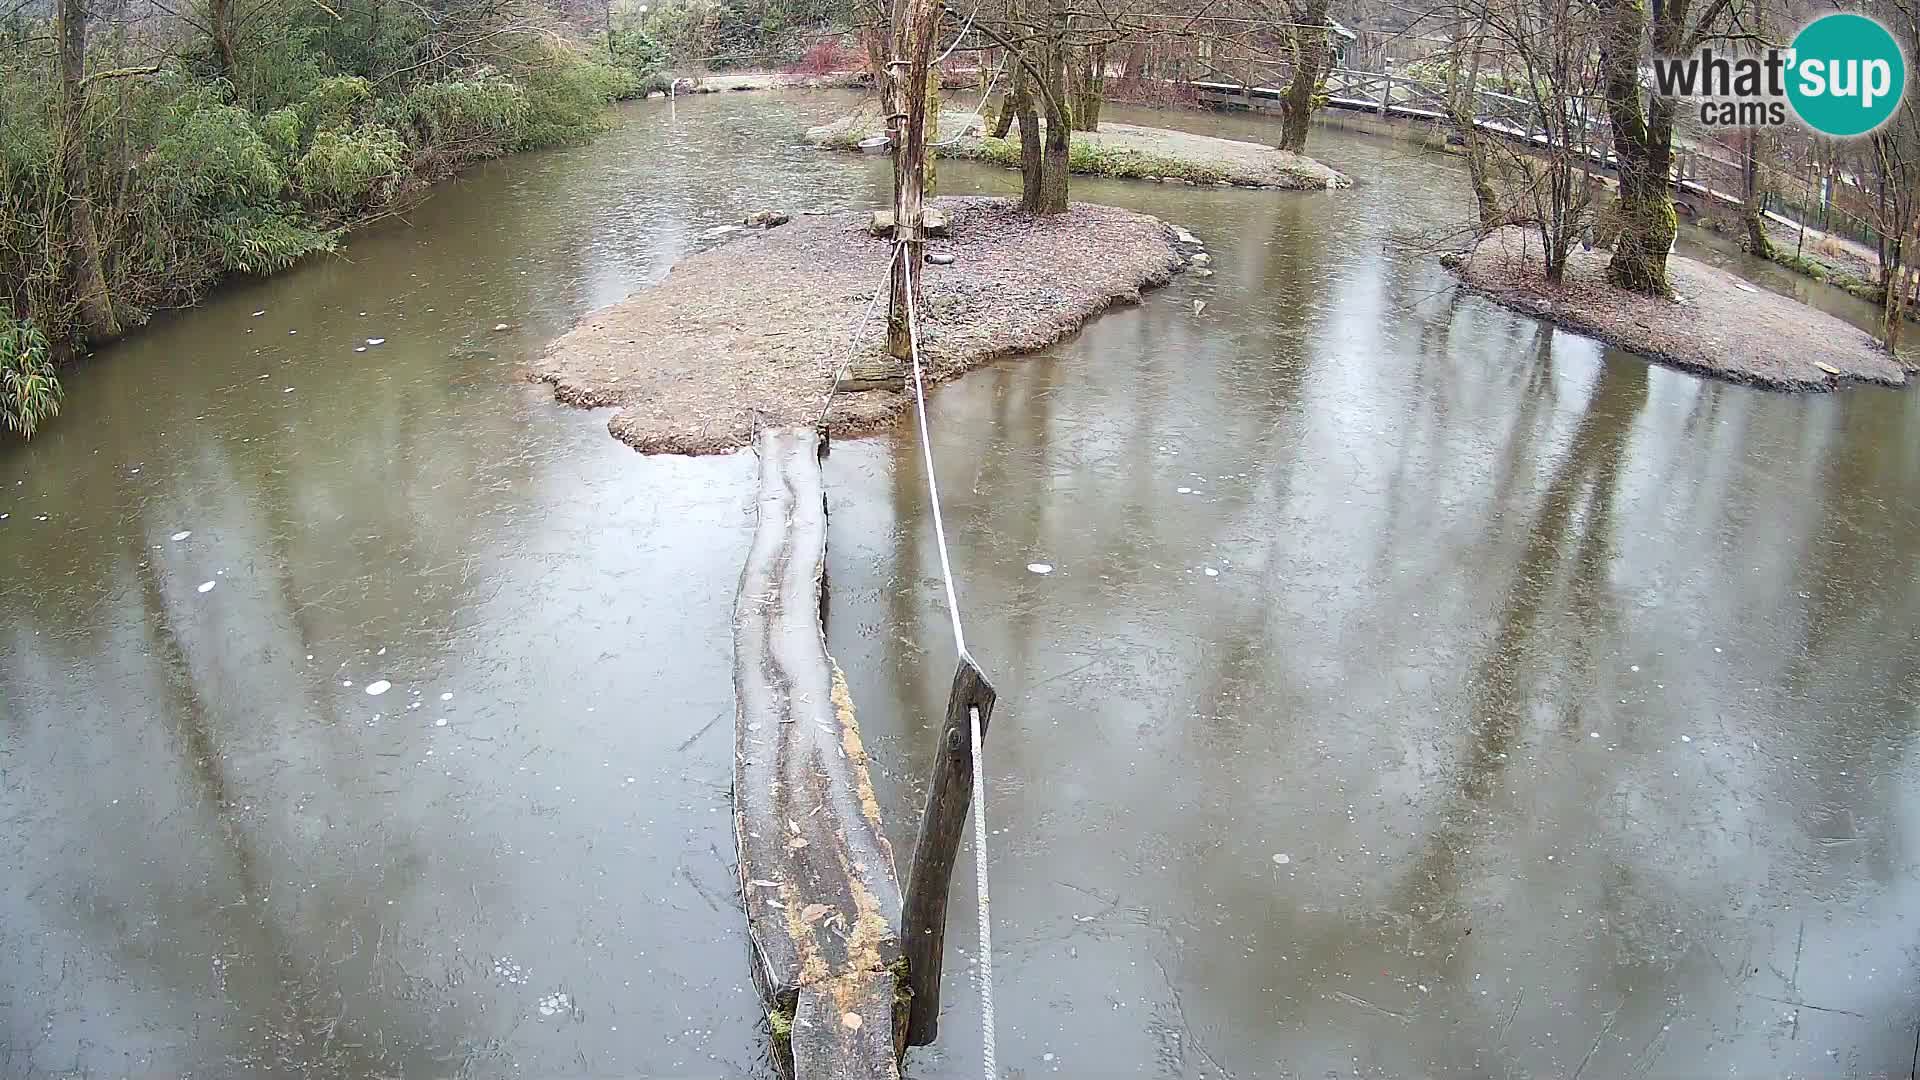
point(1717, 325)
point(750, 332)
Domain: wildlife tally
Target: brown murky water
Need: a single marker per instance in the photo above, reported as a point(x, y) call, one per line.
point(1412, 693)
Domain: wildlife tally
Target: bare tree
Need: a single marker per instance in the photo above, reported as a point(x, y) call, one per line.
point(1545, 49)
point(1643, 127)
point(1895, 148)
point(84, 266)
point(1311, 58)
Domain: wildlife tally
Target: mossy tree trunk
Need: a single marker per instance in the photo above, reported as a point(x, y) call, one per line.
point(1089, 75)
point(1460, 112)
point(1002, 109)
point(1754, 198)
point(84, 274)
point(1059, 134)
point(1643, 145)
point(1893, 304)
point(1310, 57)
point(1032, 156)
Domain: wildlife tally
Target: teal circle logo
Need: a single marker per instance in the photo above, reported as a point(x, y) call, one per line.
point(1848, 76)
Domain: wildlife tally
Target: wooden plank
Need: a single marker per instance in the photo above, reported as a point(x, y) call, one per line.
point(949, 791)
point(816, 871)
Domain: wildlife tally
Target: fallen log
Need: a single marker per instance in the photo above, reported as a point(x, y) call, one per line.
point(816, 870)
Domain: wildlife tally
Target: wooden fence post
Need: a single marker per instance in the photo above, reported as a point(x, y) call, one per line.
point(923, 922)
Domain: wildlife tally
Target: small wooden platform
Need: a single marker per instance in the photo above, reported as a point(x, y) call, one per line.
point(816, 871)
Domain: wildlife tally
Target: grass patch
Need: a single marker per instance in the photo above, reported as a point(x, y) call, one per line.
point(1821, 272)
point(1086, 158)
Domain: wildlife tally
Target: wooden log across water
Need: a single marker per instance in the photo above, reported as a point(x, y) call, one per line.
point(816, 871)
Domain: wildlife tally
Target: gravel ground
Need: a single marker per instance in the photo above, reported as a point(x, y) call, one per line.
point(1718, 326)
point(750, 332)
point(1129, 151)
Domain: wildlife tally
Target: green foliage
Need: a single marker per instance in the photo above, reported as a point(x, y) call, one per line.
point(334, 102)
point(281, 131)
point(1089, 159)
point(331, 113)
point(279, 66)
point(210, 156)
point(344, 169)
point(262, 241)
point(695, 29)
point(567, 102)
point(632, 48)
point(466, 119)
point(29, 390)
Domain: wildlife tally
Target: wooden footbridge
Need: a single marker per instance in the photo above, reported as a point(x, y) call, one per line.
point(1260, 85)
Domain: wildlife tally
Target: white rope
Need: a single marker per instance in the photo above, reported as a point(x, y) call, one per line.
point(978, 110)
point(980, 896)
point(926, 449)
point(982, 901)
point(964, 31)
point(853, 340)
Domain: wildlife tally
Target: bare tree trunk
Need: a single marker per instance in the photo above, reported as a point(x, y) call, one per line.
point(1460, 109)
point(878, 44)
point(1754, 198)
point(1032, 158)
point(908, 70)
point(1643, 145)
point(1001, 111)
point(84, 273)
point(220, 21)
point(1089, 87)
point(1894, 302)
point(1059, 135)
point(1309, 66)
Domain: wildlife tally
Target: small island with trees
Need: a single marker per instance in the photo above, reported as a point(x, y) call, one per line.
point(148, 152)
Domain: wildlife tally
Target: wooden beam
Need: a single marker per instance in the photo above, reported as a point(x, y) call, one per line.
point(923, 930)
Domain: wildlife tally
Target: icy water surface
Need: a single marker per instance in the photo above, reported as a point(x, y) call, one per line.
point(1389, 686)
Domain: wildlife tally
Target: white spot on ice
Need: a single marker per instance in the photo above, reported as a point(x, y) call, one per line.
point(206, 586)
point(183, 534)
point(1211, 572)
point(1686, 738)
point(1282, 859)
point(1040, 567)
point(442, 722)
point(1593, 734)
point(378, 687)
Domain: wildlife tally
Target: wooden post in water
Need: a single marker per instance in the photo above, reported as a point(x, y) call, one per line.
point(923, 926)
point(916, 21)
